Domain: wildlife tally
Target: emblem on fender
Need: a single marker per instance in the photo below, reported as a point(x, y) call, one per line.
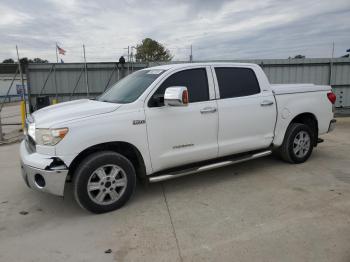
point(138, 122)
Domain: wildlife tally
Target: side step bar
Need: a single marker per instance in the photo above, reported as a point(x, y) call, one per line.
point(199, 169)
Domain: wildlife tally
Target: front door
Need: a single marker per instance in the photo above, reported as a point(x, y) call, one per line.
point(179, 135)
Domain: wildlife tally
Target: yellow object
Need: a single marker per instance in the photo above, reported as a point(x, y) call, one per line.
point(23, 113)
point(54, 101)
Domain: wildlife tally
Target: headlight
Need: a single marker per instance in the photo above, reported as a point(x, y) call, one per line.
point(48, 136)
point(31, 130)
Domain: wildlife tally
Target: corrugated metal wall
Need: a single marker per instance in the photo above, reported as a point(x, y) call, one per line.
point(68, 81)
point(320, 71)
point(66, 77)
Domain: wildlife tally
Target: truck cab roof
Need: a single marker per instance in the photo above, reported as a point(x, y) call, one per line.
point(184, 65)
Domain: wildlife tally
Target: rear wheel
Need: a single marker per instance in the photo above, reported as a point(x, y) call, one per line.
point(298, 143)
point(104, 181)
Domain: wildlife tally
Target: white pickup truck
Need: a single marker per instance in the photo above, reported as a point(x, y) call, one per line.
point(167, 121)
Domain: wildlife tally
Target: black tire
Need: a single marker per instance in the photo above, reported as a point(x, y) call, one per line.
point(286, 150)
point(86, 170)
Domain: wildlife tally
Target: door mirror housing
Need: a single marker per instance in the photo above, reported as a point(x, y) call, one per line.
point(176, 96)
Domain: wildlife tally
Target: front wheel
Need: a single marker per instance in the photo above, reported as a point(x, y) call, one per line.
point(104, 181)
point(298, 143)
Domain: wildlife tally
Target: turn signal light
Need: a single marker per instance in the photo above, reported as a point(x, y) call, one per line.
point(331, 97)
point(185, 97)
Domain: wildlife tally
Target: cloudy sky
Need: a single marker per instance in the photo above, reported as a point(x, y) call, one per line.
point(217, 29)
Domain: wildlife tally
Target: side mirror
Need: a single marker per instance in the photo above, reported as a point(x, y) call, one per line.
point(176, 96)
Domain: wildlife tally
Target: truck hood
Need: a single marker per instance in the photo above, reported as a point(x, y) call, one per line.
point(68, 111)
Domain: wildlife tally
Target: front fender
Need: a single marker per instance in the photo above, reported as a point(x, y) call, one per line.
point(115, 126)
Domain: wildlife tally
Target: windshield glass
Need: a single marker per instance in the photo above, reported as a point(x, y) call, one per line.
point(131, 87)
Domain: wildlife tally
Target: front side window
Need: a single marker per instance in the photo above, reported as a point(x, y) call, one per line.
point(195, 80)
point(131, 87)
point(236, 82)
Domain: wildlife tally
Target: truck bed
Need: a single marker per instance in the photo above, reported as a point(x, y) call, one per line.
point(280, 89)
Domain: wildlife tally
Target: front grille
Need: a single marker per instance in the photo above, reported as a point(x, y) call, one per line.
point(30, 144)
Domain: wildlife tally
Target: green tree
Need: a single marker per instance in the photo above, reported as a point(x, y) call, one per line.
point(150, 51)
point(38, 60)
point(8, 61)
point(25, 60)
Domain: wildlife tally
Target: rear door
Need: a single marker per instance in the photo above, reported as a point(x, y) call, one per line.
point(247, 113)
point(179, 135)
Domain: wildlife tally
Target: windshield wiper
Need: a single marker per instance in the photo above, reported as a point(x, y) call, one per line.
point(107, 101)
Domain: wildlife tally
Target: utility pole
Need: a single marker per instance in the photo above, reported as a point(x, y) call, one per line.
point(23, 88)
point(331, 65)
point(191, 57)
point(56, 53)
point(128, 59)
point(20, 73)
point(1, 135)
point(132, 58)
point(86, 75)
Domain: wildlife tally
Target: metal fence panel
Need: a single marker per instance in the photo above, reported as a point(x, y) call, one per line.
point(65, 77)
point(298, 74)
point(46, 79)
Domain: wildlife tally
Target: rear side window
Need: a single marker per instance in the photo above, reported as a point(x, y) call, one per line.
point(236, 82)
point(195, 80)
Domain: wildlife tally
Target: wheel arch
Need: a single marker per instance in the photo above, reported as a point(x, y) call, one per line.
point(126, 149)
point(308, 119)
point(283, 124)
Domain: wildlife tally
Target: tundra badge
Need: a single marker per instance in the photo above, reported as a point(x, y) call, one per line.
point(138, 122)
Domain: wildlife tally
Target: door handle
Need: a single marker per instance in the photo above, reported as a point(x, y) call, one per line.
point(206, 110)
point(266, 103)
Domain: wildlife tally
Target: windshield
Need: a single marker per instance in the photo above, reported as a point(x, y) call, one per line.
point(131, 87)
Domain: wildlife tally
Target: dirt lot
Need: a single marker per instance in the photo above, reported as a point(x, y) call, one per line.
point(264, 210)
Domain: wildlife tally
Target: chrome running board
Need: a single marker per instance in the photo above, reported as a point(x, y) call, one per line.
point(189, 171)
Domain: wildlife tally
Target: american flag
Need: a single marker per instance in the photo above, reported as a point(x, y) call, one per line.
point(61, 51)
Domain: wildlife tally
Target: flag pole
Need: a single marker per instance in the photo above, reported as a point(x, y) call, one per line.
point(56, 53)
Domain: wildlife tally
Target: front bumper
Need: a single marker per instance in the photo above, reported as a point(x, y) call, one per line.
point(39, 173)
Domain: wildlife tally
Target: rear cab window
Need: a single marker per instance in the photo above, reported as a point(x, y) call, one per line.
point(195, 80)
point(236, 82)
